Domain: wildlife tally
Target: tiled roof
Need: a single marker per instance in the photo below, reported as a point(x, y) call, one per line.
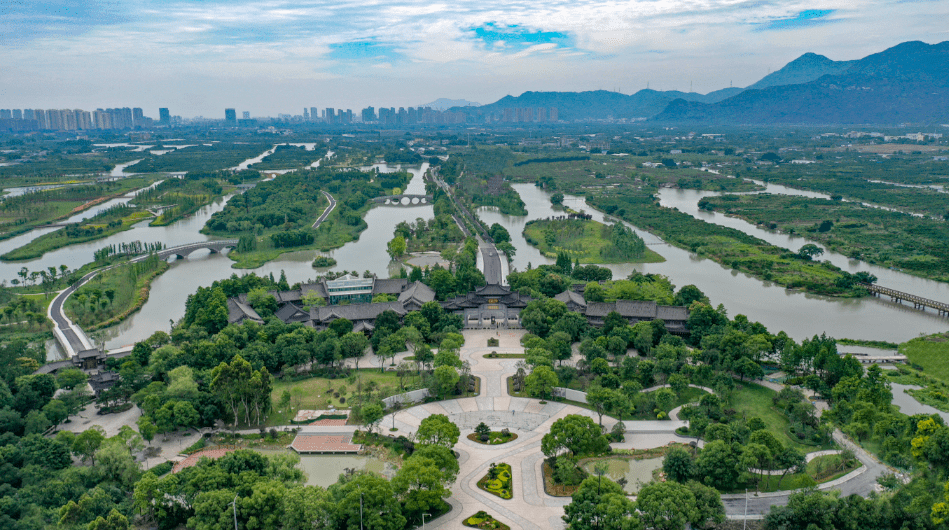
point(315, 288)
point(643, 310)
point(354, 312)
point(389, 286)
point(238, 311)
point(324, 443)
point(417, 291)
point(667, 312)
point(292, 313)
point(571, 296)
point(599, 309)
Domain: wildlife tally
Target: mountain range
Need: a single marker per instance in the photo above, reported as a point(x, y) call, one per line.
point(908, 83)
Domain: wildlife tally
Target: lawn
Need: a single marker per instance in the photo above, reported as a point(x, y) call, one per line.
point(494, 438)
point(586, 240)
point(320, 393)
point(750, 400)
point(820, 470)
point(930, 354)
point(483, 520)
point(114, 294)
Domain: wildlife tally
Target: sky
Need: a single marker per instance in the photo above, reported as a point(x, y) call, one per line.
point(278, 56)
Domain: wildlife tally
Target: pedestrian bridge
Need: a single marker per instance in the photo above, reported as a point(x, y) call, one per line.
point(404, 200)
point(183, 251)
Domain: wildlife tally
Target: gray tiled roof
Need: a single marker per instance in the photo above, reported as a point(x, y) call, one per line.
point(238, 311)
point(292, 313)
point(599, 309)
point(354, 312)
point(318, 288)
point(389, 286)
point(419, 292)
point(571, 296)
point(667, 312)
point(643, 310)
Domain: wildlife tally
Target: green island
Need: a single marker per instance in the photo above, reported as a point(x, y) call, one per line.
point(730, 247)
point(114, 294)
point(25, 212)
point(111, 221)
point(290, 157)
point(915, 245)
point(202, 157)
point(589, 241)
point(276, 216)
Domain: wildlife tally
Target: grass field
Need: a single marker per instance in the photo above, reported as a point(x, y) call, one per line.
point(319, 393)
point(930, 353)
point(751, 400)
point(129, 284)
point(822, 469)
point(586, 240)
point(58, 239)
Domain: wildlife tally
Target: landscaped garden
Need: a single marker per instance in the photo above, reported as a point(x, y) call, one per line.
point(483, 520)
point(498, 481)
point(484, 435)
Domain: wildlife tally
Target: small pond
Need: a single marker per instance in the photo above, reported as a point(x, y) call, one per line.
point(636, 472)
point(324, 470)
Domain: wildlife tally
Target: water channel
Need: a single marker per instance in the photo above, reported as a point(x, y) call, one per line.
point(801, 315)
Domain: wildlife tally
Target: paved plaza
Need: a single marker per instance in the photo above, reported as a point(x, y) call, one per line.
point(530, 507)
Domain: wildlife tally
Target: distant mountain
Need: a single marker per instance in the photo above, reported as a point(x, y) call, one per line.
point(805, 68)
point(445, 104)
point(906, 83)
point(599, 104)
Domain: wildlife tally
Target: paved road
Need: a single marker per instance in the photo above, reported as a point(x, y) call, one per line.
point(491, 260)
point(329, 209)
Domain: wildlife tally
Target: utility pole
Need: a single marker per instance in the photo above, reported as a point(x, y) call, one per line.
point(360, 509)
point(423, 519)
point(744, 522)
point(234, 503)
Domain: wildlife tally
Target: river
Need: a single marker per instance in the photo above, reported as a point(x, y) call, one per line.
point(799, 314)
point(171, 289)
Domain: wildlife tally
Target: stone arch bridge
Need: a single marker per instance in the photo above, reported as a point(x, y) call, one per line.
point(397, 200)
point(183, 251)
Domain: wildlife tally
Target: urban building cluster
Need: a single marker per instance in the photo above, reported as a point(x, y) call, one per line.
point(18, 120)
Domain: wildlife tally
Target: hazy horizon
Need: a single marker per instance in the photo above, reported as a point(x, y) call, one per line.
point(275, 56)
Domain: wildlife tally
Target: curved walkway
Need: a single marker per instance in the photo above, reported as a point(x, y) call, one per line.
point(531, 508)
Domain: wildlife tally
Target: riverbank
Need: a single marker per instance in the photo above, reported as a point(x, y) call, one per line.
point(114, 294)
point(727, 246)
point(915, 245)
point(96, 228)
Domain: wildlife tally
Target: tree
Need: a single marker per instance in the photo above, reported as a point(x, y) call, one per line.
point(483, 431)
point(541, 381)
point(446, 379)
point(115, 521)
point(602, 400)
point(678, 465)
point(666, 505)
point(366, 501)
point(147, 428)
point(717, 464)
point(396, 247)
point(810, 251)
point(117, 464)
point(88, 442)
point(70, 378)
point(372, 414)
point(601, 505)
point(437, 429)
point(422, 482)
point(576, 434)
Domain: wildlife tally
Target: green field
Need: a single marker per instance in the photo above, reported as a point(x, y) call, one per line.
point(930, 353)
point(750, 400)
point(60, 238)
point(586, 240)
point(91, 306)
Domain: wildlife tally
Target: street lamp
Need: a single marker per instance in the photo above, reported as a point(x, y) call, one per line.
point(235, 511)
point(423, 519)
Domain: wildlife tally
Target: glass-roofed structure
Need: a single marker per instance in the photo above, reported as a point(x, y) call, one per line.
point(350, 289)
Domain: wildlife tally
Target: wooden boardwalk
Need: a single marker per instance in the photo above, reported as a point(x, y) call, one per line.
point(898, 296)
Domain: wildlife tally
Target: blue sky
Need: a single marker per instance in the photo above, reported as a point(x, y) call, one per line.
point(199, 56)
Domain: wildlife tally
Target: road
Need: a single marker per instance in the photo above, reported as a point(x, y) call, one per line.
point(492, 263)
point(329, 209)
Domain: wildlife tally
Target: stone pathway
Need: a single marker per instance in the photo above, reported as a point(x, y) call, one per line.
point(530, 508)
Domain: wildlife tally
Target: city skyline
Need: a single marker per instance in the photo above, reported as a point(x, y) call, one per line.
point(269, 57)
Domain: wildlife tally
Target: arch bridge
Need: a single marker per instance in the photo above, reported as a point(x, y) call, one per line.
point(396, 200)
point(183, 251)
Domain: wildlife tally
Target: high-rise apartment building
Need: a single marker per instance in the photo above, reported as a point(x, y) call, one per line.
point(164, 117)
point(5, 114)
point(17, 114)
point(329, 115)
point(138, 118)
point(230, 116)
point(368, 114)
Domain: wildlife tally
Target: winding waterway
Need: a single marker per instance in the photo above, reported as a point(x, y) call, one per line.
point(800, 314)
